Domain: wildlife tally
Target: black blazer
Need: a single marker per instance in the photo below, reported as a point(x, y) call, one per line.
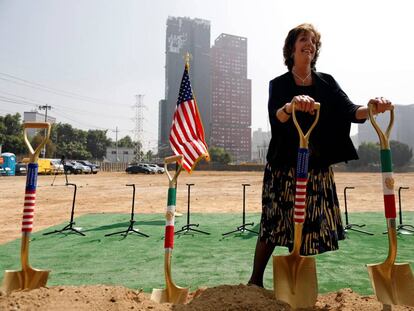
point(329, 142)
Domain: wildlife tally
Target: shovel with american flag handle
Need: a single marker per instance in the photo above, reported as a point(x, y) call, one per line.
point(28, 277)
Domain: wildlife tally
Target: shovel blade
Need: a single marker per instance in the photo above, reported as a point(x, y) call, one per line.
point(176, 295)
point(393, 284)
point(159, 295)
point(28, 279)
point(295, 281)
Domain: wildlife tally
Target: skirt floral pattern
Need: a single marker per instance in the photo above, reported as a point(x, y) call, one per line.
point(323, 224)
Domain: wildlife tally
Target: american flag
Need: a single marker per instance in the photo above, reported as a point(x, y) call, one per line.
point(187, 133)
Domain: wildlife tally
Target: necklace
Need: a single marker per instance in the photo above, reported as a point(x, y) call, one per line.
point(304, 79)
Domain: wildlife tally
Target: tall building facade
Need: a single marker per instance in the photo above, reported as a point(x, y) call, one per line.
point(193, 36)
point(402, 131)
point(231, 97)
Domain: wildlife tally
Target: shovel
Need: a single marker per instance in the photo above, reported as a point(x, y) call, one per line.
point(173, 293)
point(28, 277)
point(393, 283)
point(294, 276)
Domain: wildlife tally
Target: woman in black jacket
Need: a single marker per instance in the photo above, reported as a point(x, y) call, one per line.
point(329, 143)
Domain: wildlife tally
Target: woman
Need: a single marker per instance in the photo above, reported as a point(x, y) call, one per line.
point(329, 143)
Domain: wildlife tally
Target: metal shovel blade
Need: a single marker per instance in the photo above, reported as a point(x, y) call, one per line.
point(295, 280)
point(24, 279)
point(393, 284)
point(173, 293)
point(176, 295)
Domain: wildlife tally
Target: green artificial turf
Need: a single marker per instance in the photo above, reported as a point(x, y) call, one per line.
point(198, 259)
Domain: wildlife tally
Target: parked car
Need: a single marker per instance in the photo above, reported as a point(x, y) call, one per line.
point(149, 167)
point(138, 168)
point(71, 169)
point(94, 168)
point(21, 168)
point(158, 169)
point(57, 166)
point(85, 169)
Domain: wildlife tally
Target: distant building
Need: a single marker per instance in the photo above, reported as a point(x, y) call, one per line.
point(34, 116)
point(260, 143)
point(125, 155)
point(231, 97)
point(402, 131)
point(193, 36)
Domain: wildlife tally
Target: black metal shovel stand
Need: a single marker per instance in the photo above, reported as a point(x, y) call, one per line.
point(349, 226)
point(69, 227)
point(186, 228)
point(401, 228)
point(131, 221)
point(62, 161)
point(242, 228)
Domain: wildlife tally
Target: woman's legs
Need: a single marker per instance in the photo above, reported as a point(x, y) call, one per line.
point(261, 257)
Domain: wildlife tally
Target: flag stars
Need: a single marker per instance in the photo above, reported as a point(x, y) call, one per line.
point(185, 93)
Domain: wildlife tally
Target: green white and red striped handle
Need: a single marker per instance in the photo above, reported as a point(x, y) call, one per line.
point(171, 201)
point(386, 163)
point(170, 219)
point(388, 184)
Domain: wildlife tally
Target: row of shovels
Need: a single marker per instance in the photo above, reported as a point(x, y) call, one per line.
point(294, 276)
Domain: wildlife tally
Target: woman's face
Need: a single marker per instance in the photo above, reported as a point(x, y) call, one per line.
point(305, 47)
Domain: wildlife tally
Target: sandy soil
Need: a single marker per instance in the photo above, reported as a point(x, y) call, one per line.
point(213, 192)
point(220, 298)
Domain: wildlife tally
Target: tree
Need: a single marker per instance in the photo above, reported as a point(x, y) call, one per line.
point(70, 142)
point(96, 143)
point(126, 142)
point(50, 146)
point(149, 156)
point(219, 155)
point(401, 153)
point(11, 134)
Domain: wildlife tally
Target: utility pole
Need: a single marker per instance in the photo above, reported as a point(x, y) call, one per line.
point(116, 143)
point(139, 126)
point(46, 108)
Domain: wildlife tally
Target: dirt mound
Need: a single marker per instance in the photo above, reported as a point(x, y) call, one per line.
point(224, 297)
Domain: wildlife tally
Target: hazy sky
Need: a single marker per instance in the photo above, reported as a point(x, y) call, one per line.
point(100, 54)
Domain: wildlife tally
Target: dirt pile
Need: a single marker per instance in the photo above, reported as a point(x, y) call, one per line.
point(224, 297)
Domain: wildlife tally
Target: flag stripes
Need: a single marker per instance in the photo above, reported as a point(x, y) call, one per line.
point(187, 133)
point(300, 200)
point(28, 210)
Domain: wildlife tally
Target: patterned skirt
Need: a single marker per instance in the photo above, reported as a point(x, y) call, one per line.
point(323, 224)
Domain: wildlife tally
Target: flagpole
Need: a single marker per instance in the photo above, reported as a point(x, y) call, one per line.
point(187, 58)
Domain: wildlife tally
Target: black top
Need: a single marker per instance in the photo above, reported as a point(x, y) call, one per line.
point(329, 141)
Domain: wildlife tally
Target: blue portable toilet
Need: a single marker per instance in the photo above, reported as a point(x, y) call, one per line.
point(9, 163)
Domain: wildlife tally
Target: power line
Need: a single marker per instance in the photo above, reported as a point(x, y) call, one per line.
point(45, 88)
point(36, 103)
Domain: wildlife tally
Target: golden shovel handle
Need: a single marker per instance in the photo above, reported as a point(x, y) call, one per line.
point(304, 138)
point(383, 137)
point(173, 179)
point(34, 154)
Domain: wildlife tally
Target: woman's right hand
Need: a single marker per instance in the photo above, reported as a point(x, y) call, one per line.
point(303, 103)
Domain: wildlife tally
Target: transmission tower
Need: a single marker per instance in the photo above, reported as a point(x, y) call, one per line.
point(139, 127)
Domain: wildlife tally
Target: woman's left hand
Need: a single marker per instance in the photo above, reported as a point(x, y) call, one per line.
point(381, 104)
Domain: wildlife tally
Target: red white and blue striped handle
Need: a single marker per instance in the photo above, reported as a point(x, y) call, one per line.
point(170, 219)
point(301, 183)
point(29, 198)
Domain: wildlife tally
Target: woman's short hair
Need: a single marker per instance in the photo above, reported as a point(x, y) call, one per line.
point(290, 40)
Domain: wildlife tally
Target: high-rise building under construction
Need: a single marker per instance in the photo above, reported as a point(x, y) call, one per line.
point(193, 36)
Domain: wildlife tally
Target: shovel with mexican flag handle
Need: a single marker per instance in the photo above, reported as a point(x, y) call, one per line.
point(172, 293)
point(393, 283)
point(294, 276)
point(28, 277)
